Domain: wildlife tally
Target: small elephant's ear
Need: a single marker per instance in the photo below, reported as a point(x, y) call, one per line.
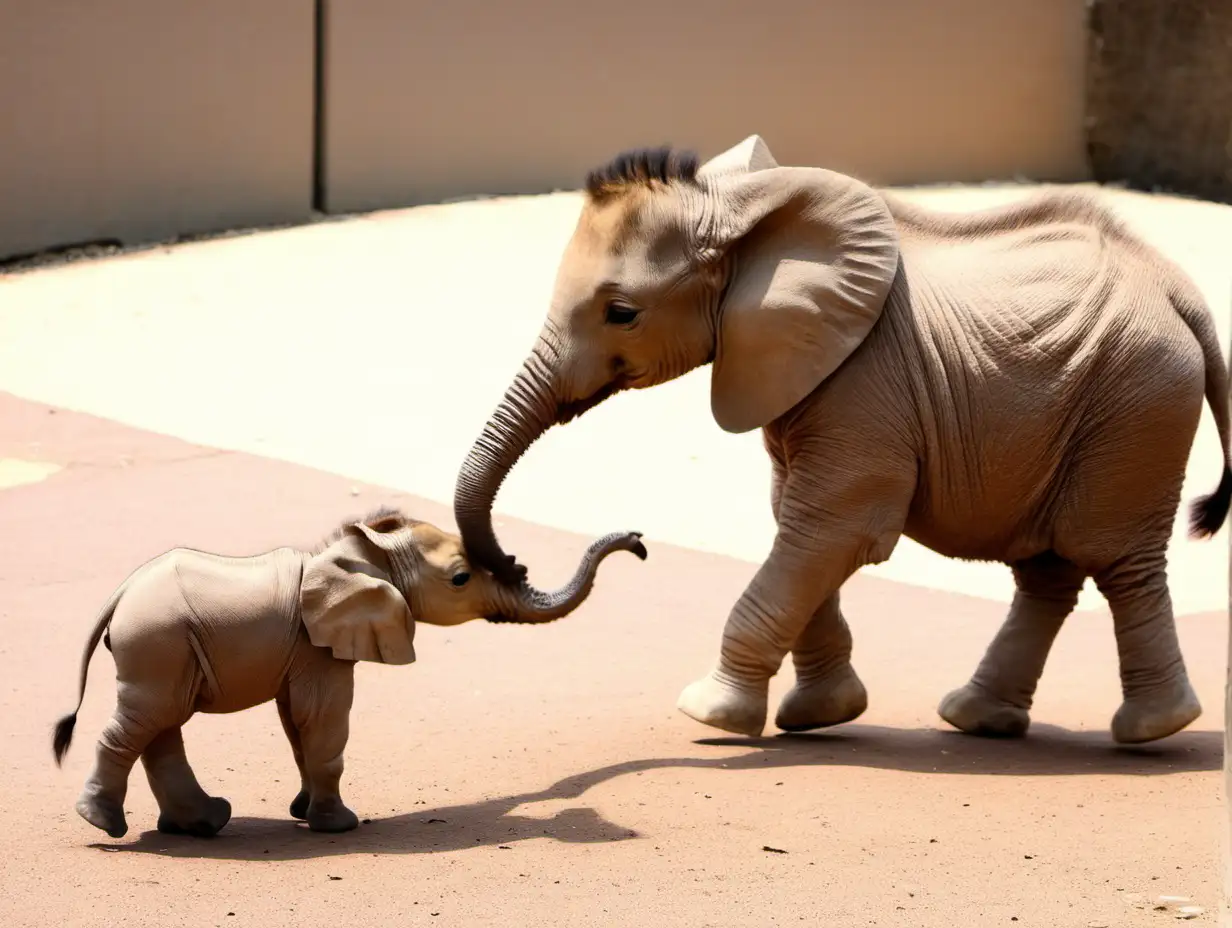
point(350, 605)
point(815, 255)
point(753, 154)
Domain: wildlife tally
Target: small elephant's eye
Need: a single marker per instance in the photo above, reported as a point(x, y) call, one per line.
point(620, 314)
point(461, 579)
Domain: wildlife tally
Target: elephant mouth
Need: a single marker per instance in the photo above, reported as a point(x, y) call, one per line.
point(569, 410)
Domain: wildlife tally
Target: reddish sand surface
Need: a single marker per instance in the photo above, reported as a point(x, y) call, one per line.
point(540, 776)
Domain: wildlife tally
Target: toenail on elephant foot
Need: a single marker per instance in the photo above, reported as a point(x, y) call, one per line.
point(331, 817)
point(973, 710)
point(104, 815)
point(833, 699)
point(718, 702)
point(1149, 718)
point(299, 805)
point(204, 824)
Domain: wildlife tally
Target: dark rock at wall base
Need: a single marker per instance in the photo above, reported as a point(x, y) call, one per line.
point(1159, 95)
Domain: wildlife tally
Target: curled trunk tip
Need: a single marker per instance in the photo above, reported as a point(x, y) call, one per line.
point(531, 606)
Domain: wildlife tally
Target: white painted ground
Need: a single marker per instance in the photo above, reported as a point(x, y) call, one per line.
point(377, 346)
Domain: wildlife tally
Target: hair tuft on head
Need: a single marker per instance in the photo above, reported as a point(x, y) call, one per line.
point(644, 167)
point(383, 519)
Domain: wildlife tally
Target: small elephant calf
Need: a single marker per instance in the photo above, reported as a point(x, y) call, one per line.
point(196, 632)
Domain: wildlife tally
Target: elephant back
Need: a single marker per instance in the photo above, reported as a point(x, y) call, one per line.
point(239, 616)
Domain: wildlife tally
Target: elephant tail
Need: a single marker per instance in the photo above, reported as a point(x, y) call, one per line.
point(63, 735)
point(1207, 513)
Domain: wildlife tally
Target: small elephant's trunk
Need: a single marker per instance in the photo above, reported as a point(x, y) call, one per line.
point(526, 605)
point(526, 412)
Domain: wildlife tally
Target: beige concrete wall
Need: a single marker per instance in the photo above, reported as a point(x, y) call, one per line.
point(142, 119)
point(433, 100)
point(139, 120)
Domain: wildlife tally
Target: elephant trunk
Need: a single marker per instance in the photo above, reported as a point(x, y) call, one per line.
point(526, 412)
point(525, 605)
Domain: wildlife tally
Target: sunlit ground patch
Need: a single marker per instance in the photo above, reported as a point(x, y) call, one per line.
point(15, 472)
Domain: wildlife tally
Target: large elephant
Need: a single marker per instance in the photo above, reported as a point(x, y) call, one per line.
point(1020, 384)
point(197, 632)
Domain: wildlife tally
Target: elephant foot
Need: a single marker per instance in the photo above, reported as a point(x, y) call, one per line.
point(718, 701)
point(299, 805)
point(331, 816)
point(103, 814)
point(974, 710)
point(1149, 718)
point(202, 823)
point(831, 700)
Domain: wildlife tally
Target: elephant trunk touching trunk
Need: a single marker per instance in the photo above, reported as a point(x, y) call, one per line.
point(526, 412)
point(528, 606)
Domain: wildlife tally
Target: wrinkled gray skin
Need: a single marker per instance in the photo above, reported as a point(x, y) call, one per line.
point(196, 632)
point(1020, 384)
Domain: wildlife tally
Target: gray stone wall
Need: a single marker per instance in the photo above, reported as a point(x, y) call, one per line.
point(1159, 95)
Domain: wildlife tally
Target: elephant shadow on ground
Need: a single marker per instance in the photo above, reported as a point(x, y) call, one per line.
point(1047, 751)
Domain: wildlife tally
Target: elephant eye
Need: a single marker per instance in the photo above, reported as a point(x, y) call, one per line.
point(461, 579)
point(620, 314)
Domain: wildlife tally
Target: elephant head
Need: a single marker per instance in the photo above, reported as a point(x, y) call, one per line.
point(373, 579)
point(774, 274)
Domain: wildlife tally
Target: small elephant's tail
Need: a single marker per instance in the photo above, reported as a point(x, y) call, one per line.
point(63, 735)
point(1207, 513)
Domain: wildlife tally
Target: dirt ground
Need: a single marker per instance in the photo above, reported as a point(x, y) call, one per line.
point(515, 776)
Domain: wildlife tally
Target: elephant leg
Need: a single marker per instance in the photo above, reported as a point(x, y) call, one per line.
point(299, 805)
point(1158, 699)
point(137, 721)
point(829, 525)
point(184, 807)
point(320, 704)
point(827, 690)
point(997, 700)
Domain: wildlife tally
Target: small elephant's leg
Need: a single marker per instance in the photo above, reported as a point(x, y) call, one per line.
point(997, 700)
point(320, 703)
point(1158, 698)
point(827, 690)
point(124, 738)
point(184, 807)
point(299, 805)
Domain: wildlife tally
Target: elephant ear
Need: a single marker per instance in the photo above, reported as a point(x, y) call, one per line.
point(350, 605)
point(815, 254)
point(753, 154)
